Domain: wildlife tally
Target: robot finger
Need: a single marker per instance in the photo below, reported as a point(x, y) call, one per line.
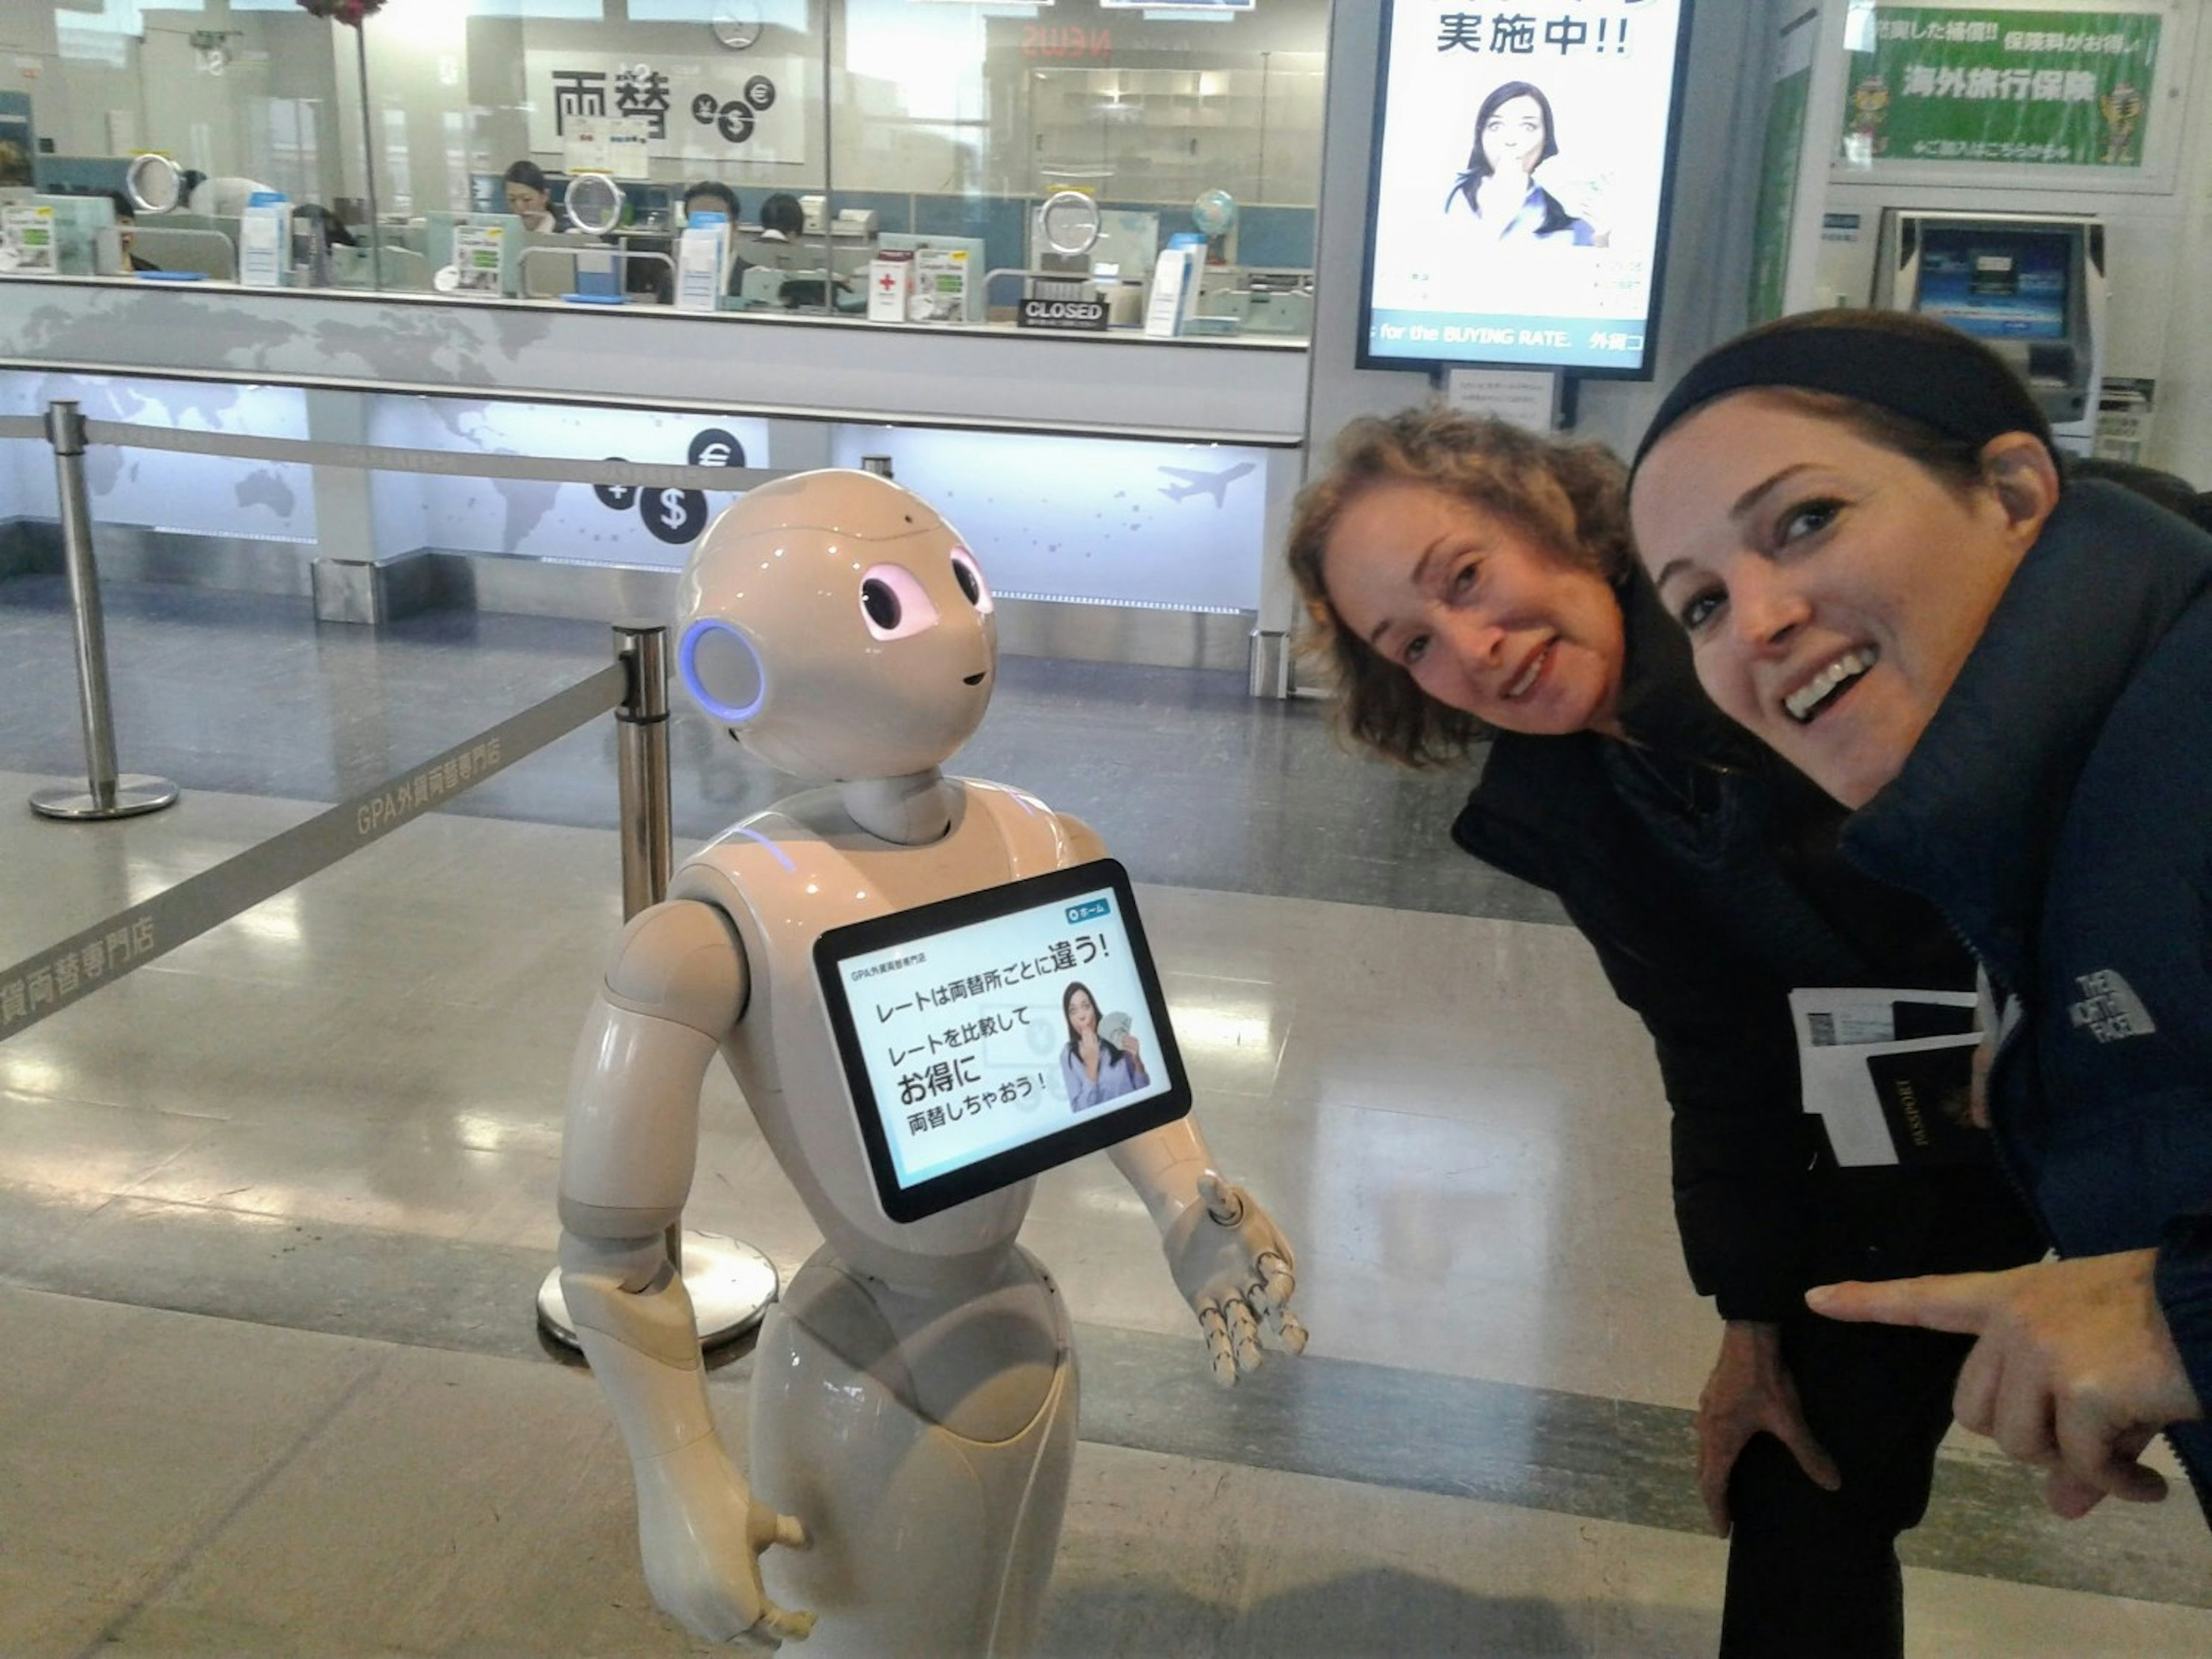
point(782, 1624)
point(1277, 1284)
point(1293, 1334)
point(1220, 1353)
point(1244, 1330)
point(791, 1533)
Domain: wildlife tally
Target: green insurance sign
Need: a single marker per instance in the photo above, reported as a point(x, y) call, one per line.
point(2045, 89)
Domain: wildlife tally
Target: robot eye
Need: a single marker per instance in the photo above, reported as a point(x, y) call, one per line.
point(970, 575)
point(894, 604)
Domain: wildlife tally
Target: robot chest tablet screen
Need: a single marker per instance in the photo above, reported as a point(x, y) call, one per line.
point(992, 1036)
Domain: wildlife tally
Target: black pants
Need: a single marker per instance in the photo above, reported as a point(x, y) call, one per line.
point(1813, 1574)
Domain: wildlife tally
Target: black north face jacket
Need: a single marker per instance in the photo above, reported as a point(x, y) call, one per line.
point(1706, 872)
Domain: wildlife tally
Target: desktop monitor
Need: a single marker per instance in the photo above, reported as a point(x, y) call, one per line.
point(652, 207)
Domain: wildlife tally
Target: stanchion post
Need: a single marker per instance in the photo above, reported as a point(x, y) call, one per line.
point(641, 768)
point(106, 794)
point(641, 782)
point(368, 159)
point(730, 1283)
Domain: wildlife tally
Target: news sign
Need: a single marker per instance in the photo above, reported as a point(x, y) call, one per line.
point(1520, 183)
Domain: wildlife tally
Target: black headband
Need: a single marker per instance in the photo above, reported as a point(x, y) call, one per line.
point(1954, 384)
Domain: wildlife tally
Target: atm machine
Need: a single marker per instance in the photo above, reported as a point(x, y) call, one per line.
point(2029, 286)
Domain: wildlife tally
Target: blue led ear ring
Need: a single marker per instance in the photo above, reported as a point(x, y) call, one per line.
point(721, 671)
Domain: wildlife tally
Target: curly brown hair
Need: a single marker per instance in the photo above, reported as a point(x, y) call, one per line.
point(1572, 497)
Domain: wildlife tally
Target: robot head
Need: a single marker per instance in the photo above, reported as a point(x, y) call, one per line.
point(838, 627)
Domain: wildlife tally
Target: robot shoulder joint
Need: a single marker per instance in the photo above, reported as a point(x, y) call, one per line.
point(681, 961)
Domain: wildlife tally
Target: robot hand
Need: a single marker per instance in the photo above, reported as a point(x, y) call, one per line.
point(701, 1536)
point(1233, 1265)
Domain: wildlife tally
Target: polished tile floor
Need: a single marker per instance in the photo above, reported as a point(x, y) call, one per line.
point(272, 1209)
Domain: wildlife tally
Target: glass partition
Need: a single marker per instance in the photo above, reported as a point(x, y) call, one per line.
point(840, 131)
point(243, 92)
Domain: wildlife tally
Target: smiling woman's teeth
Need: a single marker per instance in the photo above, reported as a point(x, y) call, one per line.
point(1527, 677)
point(1807, 698)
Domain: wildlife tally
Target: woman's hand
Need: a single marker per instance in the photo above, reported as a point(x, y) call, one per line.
point(1751, 1392)
point(2073, 1368)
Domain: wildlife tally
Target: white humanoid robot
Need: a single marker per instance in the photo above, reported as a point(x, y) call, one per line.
point(913, 1411)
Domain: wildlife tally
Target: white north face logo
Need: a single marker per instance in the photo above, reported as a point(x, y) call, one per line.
point(2110, 1008)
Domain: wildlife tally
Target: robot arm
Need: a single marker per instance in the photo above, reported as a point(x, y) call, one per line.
point(1230, 1261)
point(678, 982)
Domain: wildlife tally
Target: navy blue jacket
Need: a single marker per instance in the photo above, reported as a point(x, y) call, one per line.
point(2058, 810)
point(1706, 875)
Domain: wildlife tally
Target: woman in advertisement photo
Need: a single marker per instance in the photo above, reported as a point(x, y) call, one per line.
point(1515, 134)
point(1097, 1067)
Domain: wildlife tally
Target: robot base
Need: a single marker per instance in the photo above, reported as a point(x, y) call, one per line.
point(730, 1283)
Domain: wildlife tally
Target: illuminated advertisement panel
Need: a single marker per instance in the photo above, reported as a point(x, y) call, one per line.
point(1521, 184)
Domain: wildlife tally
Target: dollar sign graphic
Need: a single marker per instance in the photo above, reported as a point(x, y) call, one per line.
point(672, 509)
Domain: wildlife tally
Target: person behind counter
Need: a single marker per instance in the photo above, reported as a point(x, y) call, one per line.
point(783, 218)
point(1860, 521)
point(712, 196)
point(1470, 580)
point(530, 198)
point(126, 226)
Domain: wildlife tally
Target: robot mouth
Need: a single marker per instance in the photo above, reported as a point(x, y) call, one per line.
point(972, 679)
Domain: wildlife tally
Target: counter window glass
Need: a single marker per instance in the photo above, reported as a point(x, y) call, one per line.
point(826, 134)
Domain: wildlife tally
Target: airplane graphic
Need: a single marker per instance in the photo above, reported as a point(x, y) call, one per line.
point(1215, 485)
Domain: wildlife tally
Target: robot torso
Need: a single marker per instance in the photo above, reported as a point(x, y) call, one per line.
point(785, 877)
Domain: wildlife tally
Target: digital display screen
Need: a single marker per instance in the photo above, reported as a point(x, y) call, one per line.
point(1996, 284)
point(991, 1035)
point(1520, 183)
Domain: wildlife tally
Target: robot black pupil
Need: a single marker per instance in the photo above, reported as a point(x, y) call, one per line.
point(966, 577)
point(880, 602)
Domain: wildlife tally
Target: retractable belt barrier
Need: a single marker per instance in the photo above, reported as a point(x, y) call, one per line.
point(112, 794)
point(381, 458)
point(378, 457)
point(730, 1283)
point(50, 979)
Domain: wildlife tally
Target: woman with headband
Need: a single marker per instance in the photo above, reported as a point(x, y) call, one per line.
point(1860, 521)
point(1472, 581)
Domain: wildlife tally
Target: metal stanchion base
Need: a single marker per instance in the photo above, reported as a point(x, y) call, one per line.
point(135, 794)
point(730, 1284)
